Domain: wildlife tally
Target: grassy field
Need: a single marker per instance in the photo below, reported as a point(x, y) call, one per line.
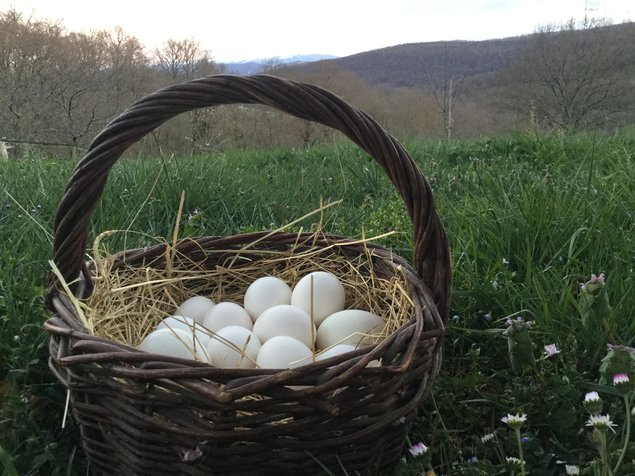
point(529, 221)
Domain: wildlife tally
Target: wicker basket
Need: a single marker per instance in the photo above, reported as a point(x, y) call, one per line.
point(140, 413)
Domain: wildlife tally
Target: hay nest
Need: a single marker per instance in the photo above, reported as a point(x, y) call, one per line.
point(129, 301)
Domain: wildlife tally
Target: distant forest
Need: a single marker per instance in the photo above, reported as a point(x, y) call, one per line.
point(58, 88)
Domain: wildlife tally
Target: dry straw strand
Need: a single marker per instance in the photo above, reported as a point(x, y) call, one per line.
point(76, 302)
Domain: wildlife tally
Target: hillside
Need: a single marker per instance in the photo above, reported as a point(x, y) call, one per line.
point(428, 64)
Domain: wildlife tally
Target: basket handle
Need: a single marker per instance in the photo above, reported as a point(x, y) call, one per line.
point(306, 101)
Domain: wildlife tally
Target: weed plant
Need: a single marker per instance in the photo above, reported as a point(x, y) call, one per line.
point(529, 220)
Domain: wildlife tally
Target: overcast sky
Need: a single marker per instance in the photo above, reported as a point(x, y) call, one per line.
point(234, 30)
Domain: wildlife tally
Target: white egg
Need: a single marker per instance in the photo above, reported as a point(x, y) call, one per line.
point(195, 308)
point(328, 295)
point(233, 347)
point(176, 322)
point(264, 293)
point(175, 343)
point(226, 314)
point(348, 327)
point(335, 350)
point(202, 335)
point(283, 352)
point(285, 320)
point(187, 324)
point(341, 349)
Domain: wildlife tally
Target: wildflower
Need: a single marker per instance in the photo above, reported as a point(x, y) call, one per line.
point(551, 350)
point(472, 460)
point(515, 421)
point(598, 279)
point(516, 326)
point(196, 218)
point(620, 379)
point(418, 449)
point(487, 438)
point(16, 338)
point(525, 439)
point(622, 383)
point(592, 397)
point(505, 261)
point(519, 344)
point(456, 318)
point(617, 366)
point(593, 403)
point(601, 422)
point(513, 461)
point(593, 303)
point(593, 285)
point(572, 469)
point(596, 282)
point(487, 317)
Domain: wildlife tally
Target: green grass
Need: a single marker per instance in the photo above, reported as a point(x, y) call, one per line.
point(528, 220)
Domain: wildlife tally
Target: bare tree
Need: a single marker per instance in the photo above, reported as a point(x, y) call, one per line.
point(126, 65)
point(59, 88)
point(446, 97)
point(77, 100)
point(183, 60)
point(274, 66)
point(573, 75)
point(447, 87)
point(27, 52)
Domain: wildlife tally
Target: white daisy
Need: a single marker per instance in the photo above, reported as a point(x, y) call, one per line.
point(515, 421)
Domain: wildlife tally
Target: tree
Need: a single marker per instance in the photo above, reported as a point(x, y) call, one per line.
point(274, 66)
point(27, 52)
point(77, 102)
point(574, 76)
point(127, 69)
point(447, 87)
point(59, 88)
point(184, 60)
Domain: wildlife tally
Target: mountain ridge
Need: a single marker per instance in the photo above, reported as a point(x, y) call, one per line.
point(254, 66)
point(428, 65)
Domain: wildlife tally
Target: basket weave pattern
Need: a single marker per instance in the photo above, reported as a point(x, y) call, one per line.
point(140, 413)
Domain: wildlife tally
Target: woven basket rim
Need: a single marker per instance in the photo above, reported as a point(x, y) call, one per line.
point(67, 322)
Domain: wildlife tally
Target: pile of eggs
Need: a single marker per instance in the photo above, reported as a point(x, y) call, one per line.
point(276, 328)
